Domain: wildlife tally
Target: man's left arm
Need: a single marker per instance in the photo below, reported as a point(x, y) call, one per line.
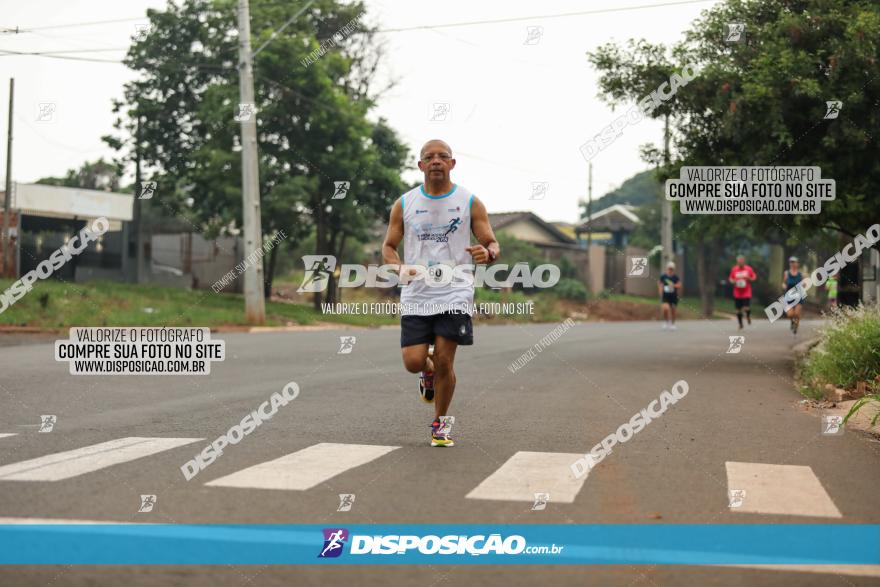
point(488, 250)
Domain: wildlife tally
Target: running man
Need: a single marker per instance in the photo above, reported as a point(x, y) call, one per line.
point(426, 219)
point(791, 280)
point(742, 276)
point(668, 286)
point(831, 286)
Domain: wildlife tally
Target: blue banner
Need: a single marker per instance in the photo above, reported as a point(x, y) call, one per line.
point(416, 544)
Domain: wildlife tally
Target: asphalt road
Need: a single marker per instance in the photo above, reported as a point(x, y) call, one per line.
point(741, 408)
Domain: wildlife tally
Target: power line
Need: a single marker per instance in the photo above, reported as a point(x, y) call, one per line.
point(77, 24)
point(62, 51)
point(57, 54)
point(543, 16)
point(413, 28)
point(275, 33)
point(5, 52)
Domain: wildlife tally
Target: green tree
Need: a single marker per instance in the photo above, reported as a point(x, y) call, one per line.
point(96, 175)
point(762, 102)
point(313, 125)
point(642, 188)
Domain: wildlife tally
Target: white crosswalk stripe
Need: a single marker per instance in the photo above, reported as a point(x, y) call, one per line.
point(304, 468)
point(792, 490)
point(71, 463)
point(527, 473)
point(6, 434)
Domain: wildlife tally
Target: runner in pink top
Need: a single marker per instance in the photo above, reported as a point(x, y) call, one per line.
point(742, 276)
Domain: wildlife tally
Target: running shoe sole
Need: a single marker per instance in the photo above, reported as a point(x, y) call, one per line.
point(441, 442)
point(427, 394)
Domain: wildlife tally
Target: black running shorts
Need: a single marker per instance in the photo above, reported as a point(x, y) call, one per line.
point(742, 302)
point(670, 298)
point(455, 326)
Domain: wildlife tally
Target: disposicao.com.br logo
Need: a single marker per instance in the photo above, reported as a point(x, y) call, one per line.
point(431, 544)
point(319, 268)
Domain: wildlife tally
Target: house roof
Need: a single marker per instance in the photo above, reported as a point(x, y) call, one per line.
point(616, 217)
point(567, 228)
point(64, 202)
point(499, 220)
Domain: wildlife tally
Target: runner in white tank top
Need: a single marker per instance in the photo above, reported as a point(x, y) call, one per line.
point(435, 221)
point(436, 235)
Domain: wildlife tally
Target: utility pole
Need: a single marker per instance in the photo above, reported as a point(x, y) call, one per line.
point(666, 207)
point(255, 308)
point(8, 194)
point(589, 228)
point(137, 217)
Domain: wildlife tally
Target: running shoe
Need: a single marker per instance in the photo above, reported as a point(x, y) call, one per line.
point(426, 386)
point(673, 327)
point(426, 382)
point(440, 432)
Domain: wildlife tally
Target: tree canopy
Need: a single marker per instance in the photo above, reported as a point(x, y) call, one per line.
point(313, 118)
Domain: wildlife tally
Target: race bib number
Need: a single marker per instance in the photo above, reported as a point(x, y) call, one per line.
point(740, 283)
point(439, 272)
point(668, 289)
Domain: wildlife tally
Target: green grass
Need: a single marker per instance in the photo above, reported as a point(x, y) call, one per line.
point(849, 352)
point(545, 309)
point(53, 304)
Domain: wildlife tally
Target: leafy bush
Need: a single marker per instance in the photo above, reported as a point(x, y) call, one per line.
point(571, 289)
point(849, 351)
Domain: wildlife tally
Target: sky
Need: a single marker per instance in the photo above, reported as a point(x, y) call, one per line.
point(515, 100)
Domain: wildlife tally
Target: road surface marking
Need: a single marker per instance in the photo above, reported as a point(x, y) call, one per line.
point(792, 490)
point(71, 463)
point(304, 468)
point(5, 434)
point(527, 473)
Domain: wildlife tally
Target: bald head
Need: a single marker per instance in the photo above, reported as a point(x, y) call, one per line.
point(435, 145)
point(435, 161)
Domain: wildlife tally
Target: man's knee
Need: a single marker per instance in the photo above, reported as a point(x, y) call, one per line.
point(413, 363)
point(442, 365)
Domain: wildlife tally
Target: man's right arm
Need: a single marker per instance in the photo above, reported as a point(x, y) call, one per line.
point(394, 235)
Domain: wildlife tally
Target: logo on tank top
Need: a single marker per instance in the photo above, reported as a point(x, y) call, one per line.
point(438, 233)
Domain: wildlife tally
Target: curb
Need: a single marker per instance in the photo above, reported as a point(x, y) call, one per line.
point(802, 348)
point(30, 330)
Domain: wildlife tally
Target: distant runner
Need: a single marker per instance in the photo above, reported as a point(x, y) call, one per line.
point(742, 276)
point(831, 285)
point(433, 317)
point(792, 278)
point(668, 286)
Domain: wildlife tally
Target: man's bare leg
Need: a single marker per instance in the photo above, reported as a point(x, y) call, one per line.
point(416, 359)
point(444, 375)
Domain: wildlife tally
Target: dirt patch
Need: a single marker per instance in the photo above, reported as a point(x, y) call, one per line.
point(860, 421)
point(619, 311)
point(614, 311)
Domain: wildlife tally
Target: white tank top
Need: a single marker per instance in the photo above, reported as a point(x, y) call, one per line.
point(436, 232)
